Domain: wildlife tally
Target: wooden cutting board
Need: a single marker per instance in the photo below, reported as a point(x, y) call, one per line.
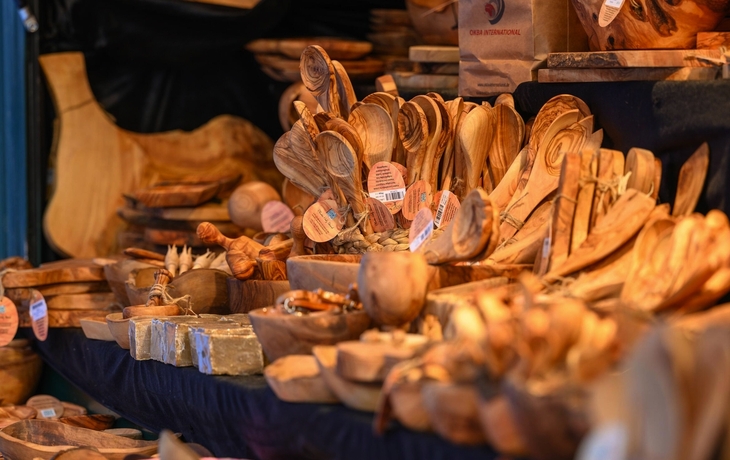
point(64, 271)
point(143, 218)
point(567, 75)
point(632, 58)
point(173, 196)
point(336, 48)
point(21, 295)
point(97, 162)
point(425, 81)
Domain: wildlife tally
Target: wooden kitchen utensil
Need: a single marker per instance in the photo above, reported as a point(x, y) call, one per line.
point(413, 133)
point(374, 127)
point(318, 75)
point(241, 253)
point(691, 180)
point(475, 139)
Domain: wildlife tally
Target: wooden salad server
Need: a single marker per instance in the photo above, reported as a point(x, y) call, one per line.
point(545, 174)
point(467, 235)
point(374, 126)
point(413, 133)
point(347, 131)
point(318, 75)
point(341, 163)
point(297, 171)
point(241, 253)
point(475, 138)
point(691, 180)
point(345, 91)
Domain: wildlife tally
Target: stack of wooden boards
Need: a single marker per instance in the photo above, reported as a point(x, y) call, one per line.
point(279, 57)
point(169, 213)
point(391, 33)
point(73, 289)
point(433, 68)
point(703, 63)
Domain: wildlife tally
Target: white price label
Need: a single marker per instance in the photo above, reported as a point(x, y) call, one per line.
point(615, 3)
point(421, 238)
point(442, 206)
point(606, 441)
point(38, 310)
point(48, 413)
point(389, 196)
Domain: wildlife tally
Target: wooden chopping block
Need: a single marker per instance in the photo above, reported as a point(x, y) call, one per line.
point(63, 271)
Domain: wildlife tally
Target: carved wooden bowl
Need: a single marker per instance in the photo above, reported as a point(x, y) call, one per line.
point(331, 272)
point(651, 24)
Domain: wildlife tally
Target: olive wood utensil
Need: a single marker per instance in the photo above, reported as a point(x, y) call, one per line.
point(691, 180)
point(347, 131)
point(508, 137)
point(308, 122)
point(523, 247)
point(583, 209)
point(467, 235)
point(454, 108)
point(374, 127)
point(241, 253)
point(475, 139)
point(640, 162)
point(433, 117)
point(413, 133)
point(318, 75)
point(297, 171)
point(606, 186)
point(345, 91)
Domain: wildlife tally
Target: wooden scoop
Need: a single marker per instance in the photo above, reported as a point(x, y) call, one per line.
point(341, 163)
point(413, 133)
point(374, 127)
point(691, 180)
point(347, 131)
point(297, 171)
point(318, 75)
point(391, 105)
point(154, 303)
point(345, 91)
point(467, 235)
point(241, 253)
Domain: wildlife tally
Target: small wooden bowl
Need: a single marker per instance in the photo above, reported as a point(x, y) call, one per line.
point(119, 327)
point(331, 272)
point(358, 396)
point(96, 329)
point(20, 371)
point(452, 409)
point(282, 334)
point(153, 310)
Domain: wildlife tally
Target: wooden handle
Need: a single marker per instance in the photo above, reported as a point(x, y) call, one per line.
point(279, 251)
point(162, 277)
point(298, 235)
point(210, 234)
point(139, 253)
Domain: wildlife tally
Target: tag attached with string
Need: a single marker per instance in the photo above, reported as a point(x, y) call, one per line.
point(609, 12)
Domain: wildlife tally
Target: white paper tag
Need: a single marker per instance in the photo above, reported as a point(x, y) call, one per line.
point(421, 229)
point(609, 11)
point(606, 441)
point(421, 238)
point(389, 196)
point(442, 206)
point(38, 310)
point(48, 413)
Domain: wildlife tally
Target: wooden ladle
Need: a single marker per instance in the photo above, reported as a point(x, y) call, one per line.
point(375, 129)
point(241, 253)
point(341, 163)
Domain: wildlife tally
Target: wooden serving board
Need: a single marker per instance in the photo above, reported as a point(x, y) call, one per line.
point(430, 53)
point(209, 212)
point(568, 75)
point(20, 295)
point(632, 58)
point(143, 218)
point(178, 195)
point(63, 271)
point(91, 301)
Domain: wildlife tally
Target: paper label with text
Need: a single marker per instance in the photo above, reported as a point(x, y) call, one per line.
point(445, 205)
point(385, 184)
point(322, 221)
point(39, 315)
point(8, 321)
point(379, 216)
point(421, 229)
point(609, 12)
point(276, 217)
point(418, 196)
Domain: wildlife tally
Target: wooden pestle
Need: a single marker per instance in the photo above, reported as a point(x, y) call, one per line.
point(241, 253)
point(297, 233)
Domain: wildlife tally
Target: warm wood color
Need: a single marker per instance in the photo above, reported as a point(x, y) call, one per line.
point(426, 82)
point(282, 334)
point(562, 213)
point(374, 127)
point(179, 195)
point(330, 272)
point(206, 212)
point(524, 246)
point(508, 138)
point(628, 59)
point(691, 181)
point(433, 53)
point(626, 74)
point(413, 134)
point(21, 296)
point(92, 150)
point(96, 422)
point(243, 4)
point(453, 410)
point(64, 318)
point(241, 253)
point(336, 48)
point(475, 138)
point(713, 40)
point(584, 207)
point(640, 163)
point(63, 271)
point(244, 296)
point(359, 396)
point(96, 328)
point(43, 439)
point(368, 362)
point(297, 379)
point(91, 301)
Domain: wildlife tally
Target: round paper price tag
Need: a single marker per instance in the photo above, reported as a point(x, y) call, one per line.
point(444, 207)
point(47, 406)
point(276, 217)
point(8, 321)
point(421, 229)
point(385, 184)
point(402, 170)
point(418, 197)
point(322, 221)
point(380, 217)
point(39, 315)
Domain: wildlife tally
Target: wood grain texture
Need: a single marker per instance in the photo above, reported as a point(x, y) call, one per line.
point(336, 48)
point(63, 271)
point(637, 58)
point(91, 150)
point(64, 318)
point(626, 74)
point(584, 208)
point(691, 181)
point(562, 214)
point(181, 195)
point(244, 296)
point(433, 53)
point(712, 40)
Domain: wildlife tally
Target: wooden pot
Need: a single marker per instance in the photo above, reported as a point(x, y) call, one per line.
point(20, 370)
point(43, 439)
point(282, 334)
point(650, 23)
point(331, 272)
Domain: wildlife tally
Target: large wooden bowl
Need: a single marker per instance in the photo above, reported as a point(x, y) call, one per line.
point(20, 371)
point(331, 272)
point(117, 274)
point(282, 334)
point(662, 26)
point(30, 439)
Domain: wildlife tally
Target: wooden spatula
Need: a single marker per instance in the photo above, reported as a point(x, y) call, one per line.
point(691, 180)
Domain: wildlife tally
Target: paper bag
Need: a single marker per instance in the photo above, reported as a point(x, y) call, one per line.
point(503, 42)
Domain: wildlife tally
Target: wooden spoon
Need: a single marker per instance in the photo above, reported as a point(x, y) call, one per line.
point(445, 140)
point(475, 138)
point(691, 180)
point(508, 138)
point(241, 253)
point(467, 235)
point(454, 108)
point(297, 171)
point(640, 163)
point(375, 128)
point(433, 117)
point(523, 247)
point(308, 122)
point(346, 130)
point(345, 91)
point(341, 163)
point(391, 105)
point(413, 133)
point(318, 75)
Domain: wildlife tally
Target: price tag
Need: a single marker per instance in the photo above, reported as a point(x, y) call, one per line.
point(418, 197)
point(322, 221)
point(46, 405)
point(609, 440)
point(444, 207)
point(402, 170)
point(386, 184)
point(380, 217)
point(39, 315)
point(276, 217)
point(421, 229)
point(609, 12)
point(8, 321)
